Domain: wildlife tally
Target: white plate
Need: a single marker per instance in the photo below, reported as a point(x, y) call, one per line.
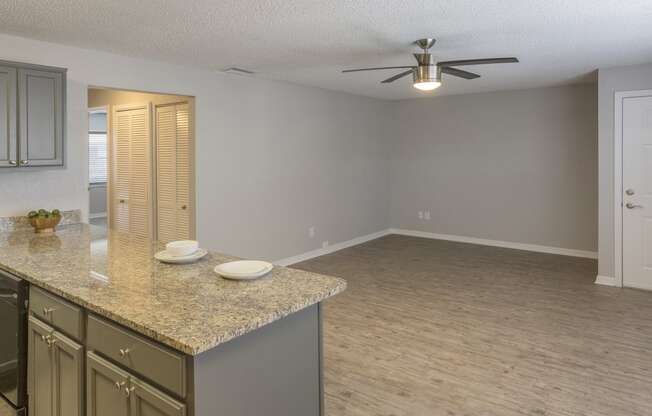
point(165, 257)
point(244, 269)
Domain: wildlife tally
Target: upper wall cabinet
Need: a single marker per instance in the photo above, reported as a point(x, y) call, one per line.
point(8, 120)
point(32, 114)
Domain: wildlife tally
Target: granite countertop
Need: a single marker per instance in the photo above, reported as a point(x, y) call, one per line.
point(187, 307)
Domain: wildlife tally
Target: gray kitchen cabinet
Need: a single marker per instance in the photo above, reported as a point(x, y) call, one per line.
point(32, 116)
point(148, 401)
point(138, 355)
point(114, 392)
point(68, 363)
point(8, 133)
point(55, 365)
point(40, 379)
point(105, 384)
point(40, 98)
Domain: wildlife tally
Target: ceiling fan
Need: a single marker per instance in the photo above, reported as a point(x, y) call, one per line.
point(427, 74)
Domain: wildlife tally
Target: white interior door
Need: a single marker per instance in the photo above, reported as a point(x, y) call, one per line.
point(131, 204)
point(637, 192)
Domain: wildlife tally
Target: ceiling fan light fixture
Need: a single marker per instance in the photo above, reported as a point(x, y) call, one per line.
point(427, 78)
point(427, 85)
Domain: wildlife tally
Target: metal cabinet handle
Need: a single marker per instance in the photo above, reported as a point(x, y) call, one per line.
point(129, 390)
point(47, 311)
point(13, 162)
point(119, 385)
point(124, 352)
point(24, 162)
point(629, 205)
point(49, 340)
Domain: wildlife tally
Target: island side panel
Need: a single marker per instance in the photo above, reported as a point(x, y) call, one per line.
point(273, 371)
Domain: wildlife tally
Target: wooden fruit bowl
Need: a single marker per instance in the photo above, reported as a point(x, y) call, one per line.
point(45, 224)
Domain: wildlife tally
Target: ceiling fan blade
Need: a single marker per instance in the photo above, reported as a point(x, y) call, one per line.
point(459, 73)
point(397, 76)
point(477, 62)
point(376, 69)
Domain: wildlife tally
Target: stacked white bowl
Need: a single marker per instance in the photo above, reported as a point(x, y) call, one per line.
point(181, 248)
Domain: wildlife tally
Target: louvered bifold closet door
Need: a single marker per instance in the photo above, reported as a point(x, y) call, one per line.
point(184, 153)
point(131, 208)
point(173, 172)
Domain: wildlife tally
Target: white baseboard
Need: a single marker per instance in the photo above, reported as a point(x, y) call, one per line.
point(330, 249)
point(606, 281)
point(497, 243)
point(449, 237)
point(97, 215)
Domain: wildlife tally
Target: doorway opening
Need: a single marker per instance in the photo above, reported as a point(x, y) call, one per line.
point(141, 163)
point(97, 166)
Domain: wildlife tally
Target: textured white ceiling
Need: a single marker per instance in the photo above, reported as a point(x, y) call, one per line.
point(310, 41)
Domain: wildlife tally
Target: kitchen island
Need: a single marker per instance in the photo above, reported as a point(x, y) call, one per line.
point(167, 339)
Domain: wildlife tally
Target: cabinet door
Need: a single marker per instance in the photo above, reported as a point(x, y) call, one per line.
point(40, 95)
point(68, 387)
point(40, 369)
point(105, 388)
point(148, 401)
point(8, 138)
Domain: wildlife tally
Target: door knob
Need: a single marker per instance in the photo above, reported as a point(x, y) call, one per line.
point(630, 191)
point(184, 207)
point(629, 205)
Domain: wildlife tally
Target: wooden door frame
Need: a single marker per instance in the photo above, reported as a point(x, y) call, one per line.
point(619, 98)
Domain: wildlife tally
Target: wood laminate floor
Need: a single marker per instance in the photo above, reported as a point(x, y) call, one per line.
point(430, 327)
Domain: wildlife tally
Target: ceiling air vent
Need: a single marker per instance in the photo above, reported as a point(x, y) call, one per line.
point(237, 71)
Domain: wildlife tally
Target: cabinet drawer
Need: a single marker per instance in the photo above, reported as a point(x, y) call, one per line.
point(155, 362)
point(57, 312)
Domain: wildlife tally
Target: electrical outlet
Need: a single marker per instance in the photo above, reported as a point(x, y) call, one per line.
point(324, 244)
point(420, 215)
point(426, 215)
point(311, 232)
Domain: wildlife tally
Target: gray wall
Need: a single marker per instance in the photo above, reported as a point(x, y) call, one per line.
point(97, 200)
point(272, 159)
point(517, 166)
point(96, 121)
point(610, 80)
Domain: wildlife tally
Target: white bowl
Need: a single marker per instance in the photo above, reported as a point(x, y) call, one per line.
point(181, 248)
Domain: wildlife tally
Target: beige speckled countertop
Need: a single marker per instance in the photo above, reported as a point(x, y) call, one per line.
point(187, 307)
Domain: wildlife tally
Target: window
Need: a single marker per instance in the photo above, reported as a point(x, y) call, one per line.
point(97, 148)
